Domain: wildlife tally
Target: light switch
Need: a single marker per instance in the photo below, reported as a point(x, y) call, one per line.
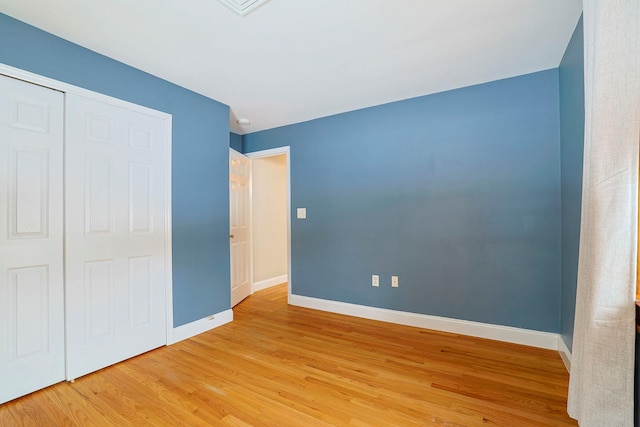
point(302, 213)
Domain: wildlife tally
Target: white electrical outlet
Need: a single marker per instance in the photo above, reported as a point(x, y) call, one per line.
point(375, 280)
point(394, 281)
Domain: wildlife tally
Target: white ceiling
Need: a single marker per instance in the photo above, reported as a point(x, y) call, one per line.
point(294, 60)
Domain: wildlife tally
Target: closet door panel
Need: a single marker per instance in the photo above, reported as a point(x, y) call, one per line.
point(115, 185)
point(31, 238)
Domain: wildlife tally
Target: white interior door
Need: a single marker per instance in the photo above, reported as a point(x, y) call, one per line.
point(115, 185)
point(31, 240)
point(239, 174)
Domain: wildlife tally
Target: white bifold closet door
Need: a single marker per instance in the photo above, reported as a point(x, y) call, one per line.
point(115, 201)
point(31, 238)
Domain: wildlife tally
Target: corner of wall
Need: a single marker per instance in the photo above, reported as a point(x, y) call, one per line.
point(565, 353)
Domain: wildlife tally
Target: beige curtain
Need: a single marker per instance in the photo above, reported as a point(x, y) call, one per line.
point(601, 384)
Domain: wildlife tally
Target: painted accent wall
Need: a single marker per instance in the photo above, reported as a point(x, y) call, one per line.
point(457, 193)
point(572, 153)
point(200, 171)
point(269, 213)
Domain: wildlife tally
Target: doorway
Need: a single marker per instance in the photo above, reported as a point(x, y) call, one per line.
point(270, 218)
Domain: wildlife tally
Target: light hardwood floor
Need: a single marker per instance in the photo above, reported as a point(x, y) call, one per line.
point(279, 365)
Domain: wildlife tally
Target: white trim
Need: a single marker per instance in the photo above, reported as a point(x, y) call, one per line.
point(251, 227)
point(67, 88)
point(60, 86)
point(275, 152)
point(199, 326)
point(237, 152)
point(510, 334)
point(268, 153)
point(267, 283)
point(565, 353)
point(168, 241)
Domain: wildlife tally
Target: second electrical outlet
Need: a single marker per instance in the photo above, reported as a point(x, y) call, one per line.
point(394, 281)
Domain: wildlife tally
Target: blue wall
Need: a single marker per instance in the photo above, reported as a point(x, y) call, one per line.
point(200, 168)
point(572, 149)
point(457, 193)
point(235, 142)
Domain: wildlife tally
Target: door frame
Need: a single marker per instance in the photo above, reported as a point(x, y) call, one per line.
point(65, 88)
point(270, 153)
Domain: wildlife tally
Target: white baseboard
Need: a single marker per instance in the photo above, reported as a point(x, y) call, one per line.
point(199, 326)
point(565, 353)
point(510, 334)
point(264, 284)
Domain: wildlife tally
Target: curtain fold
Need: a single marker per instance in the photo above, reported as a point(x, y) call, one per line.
point(601, 383)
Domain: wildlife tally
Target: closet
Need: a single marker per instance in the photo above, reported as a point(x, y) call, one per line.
point(84, 233)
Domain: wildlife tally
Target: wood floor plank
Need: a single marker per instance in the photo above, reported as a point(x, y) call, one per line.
point(279, 365)
point(75, 409)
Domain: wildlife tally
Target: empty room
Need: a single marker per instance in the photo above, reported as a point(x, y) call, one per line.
point(319, 213)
